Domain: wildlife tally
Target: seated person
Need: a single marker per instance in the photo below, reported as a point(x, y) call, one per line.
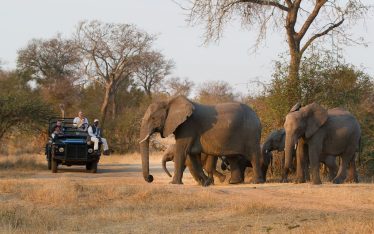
point(95, 133)
point(57, 129)
point(80, 122)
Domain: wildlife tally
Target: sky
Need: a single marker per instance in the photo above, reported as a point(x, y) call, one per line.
point(231, 59)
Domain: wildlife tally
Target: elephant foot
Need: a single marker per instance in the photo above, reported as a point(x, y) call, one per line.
point(258, 181)
point(207, 182)
point(236, 181)
point(316, 182)
point(337, 180)
point(175, 182)
point(300, 181)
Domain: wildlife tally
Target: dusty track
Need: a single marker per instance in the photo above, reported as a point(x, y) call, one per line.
point(117, 199)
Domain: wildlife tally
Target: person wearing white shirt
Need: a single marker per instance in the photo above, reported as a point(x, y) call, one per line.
point(80, 122)
point(95, 133)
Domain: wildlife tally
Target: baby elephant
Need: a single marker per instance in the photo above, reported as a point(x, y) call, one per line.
point(243, 163)
point(208, 162)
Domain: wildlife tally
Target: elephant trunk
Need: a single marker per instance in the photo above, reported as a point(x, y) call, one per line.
point(164, 160)
point(289, 149)
point(144, 151)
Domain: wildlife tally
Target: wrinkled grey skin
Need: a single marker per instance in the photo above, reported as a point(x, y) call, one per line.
point(322, 134)
point(209, 164)
point(229, 129)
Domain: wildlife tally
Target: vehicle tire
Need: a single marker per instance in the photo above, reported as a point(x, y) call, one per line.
point(94, 167)
point(49, 164)
point(54, 165)
point(88, 166)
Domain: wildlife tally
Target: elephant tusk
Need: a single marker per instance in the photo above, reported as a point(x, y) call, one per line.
point(295, 146)
point(145, 138)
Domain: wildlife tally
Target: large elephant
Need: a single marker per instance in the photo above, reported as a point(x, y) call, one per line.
point(322, 134)
point(229, 129)
point(209, 164)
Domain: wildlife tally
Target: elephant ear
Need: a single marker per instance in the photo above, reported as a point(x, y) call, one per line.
point(316, 117)
point(179, 109)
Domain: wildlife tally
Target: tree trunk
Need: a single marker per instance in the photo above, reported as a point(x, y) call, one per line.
point(293, 84)
point(107, 98)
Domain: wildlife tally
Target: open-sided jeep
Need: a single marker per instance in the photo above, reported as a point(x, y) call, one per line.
point(71, 147)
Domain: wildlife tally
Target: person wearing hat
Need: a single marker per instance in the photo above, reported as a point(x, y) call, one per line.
point(95, 133)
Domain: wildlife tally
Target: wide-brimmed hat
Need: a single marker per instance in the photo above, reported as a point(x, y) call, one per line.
point(96, 120)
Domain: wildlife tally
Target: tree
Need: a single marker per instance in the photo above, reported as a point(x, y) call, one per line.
point(20, 107)
point(212, 92)
point(53, 64)
point(178, 86)
point(303, 21)
point(152, 70)
point(112, 53)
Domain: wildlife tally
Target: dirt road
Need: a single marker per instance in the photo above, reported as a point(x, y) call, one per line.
point(118, 200)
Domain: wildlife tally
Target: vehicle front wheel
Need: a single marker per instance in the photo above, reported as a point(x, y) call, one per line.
point(94, 167)
point(54, 165)
point(49, 165)
point(88, 166)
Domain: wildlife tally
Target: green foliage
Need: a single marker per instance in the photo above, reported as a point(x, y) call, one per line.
point(330, 82)
point(21, 109)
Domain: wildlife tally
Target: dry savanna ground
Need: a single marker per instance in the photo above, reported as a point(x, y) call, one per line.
point(117, 200)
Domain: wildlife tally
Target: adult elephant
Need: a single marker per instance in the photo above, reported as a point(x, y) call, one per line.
point(208, 162)
point(229, 129)
point(322, 134)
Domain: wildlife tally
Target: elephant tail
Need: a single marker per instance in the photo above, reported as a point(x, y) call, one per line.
point(359, 151)
point(164, 166)
point(271, 164)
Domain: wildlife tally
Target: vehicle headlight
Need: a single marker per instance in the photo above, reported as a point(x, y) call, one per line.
point(90, 150)
point(61, 149)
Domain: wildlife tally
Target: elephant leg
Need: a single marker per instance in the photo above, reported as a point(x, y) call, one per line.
point(258, 177)
point(284, 171)
point(346, 158)
point(179, 164)
point(193, 172)
point(196, 165)
point(352, 172)
point(236, 174)
point(330, 163)
point(342, 173)
point(210, 166)
point(300, 161)
point(314, 153)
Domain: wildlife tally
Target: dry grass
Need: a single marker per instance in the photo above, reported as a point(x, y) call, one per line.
point(117, 200)
point(21, 162)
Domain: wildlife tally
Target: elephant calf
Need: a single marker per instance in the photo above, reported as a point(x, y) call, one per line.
point(209, 164)
point(242, 163)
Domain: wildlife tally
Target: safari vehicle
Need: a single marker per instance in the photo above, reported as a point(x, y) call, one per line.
point(71, 147)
